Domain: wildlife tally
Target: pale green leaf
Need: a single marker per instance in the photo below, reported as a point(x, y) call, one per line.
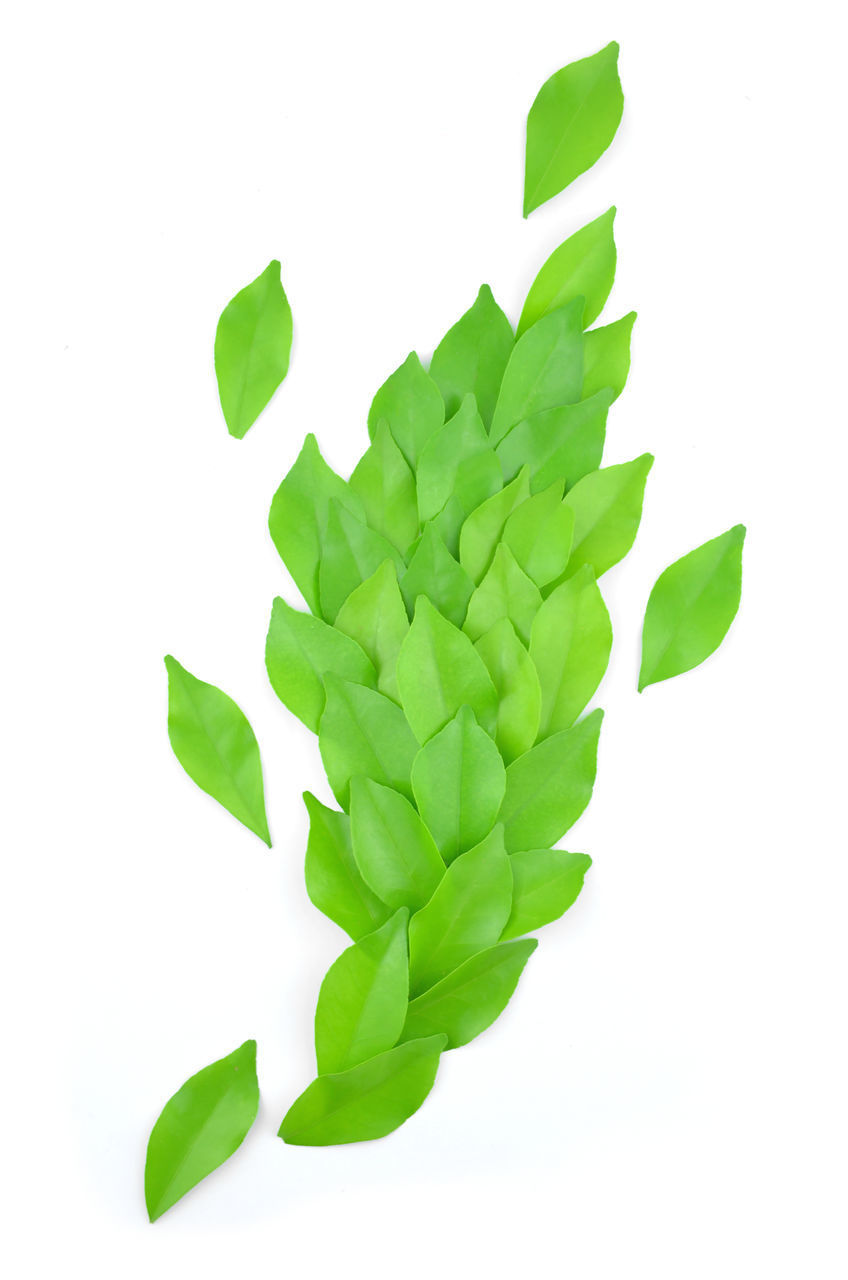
point(517, 686)
point(385, 485)
point(582, 267)
point(469, 1000)
point(351, 553)
point(548, 788)
point(333, 880)
point(570, 647)
point(484, 528)
point(395, 853)
point(505, 592)
point(412, 405)
point(539, 534)
point(439, 671)
point(607, 506)
point(374, 615)
point(462, 437)
point(546, 883)
point(252, 348)
point(362, 731)
point(472, 356)
point(434, 573)
point(606, 356)
point(564, 443)
point(544, 370)
point(458, 780)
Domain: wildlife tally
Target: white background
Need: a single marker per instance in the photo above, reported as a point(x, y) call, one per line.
point(665, 1097)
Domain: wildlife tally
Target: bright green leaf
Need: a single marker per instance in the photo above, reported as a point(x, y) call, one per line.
point(351, 553)
point(607, 506)
point(477, 479)
point(564, 443)
point(385, 485)
point(299, 651)
point(395, 853)
point(434, 573)
point(547, 882)
point(582, 267)
point(469, 1000)
point(505, 592)
point(374, 615)
point(539, 534)
point(412, 405)
point(517, 685)
point(548, 788)
point(458, 780)
point(462, 437)
point(472, 356)
point(252, 348)
point(333, 881)
point(362, 731)
point(570, 647)
point(439, 671)
point(544, 370)
point(483, 529)
point(606, 356)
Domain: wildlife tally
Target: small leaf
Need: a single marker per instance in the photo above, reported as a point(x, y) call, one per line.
point(395, 853)
point(351, 553)
point(483, 529)
point(607, 506)
point(505, 592)
point(362, 731)
point(466, 913)
point(539, 534)
point(375, 617)
point(367, 1101)
point(440, 671)
point(434, 573)
point(386, 487)
point(469, 1000)
point(582, 266)
point(571, 123)
point(458, 780)
point(299, 651)
point(216, 746)
point(606, 357)
point(547, 882)
point(570, 647)
point(544, 370)
point(333, 881)
point(691, 606)
point(412, 405)
point(564, 443)
point(252, 348)
point(363, 999)
point(461, 438)
point(548, 788)
point(472, 356)
point(200, 1127)
point(517, 685)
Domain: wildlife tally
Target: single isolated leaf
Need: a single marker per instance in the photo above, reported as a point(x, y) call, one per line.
point(606, 356)
point(571, 123)
point(472, 356)
point(458, 780)
point(462, 437)
point(200, 1127)
point(582, 266)
point(505, 592)
point(564, 443)
point(252, 348)
point(386, 487)
point(333, 880)
point(691, 606)
point(469, 1000)
point(548, 788)
point(439, 671)
point(483, 529)
point(375, 617)
point(216, 746)
point(546, 883)
point(539, 534)
point(570, 647)
point(363, 999)
point(351, 553)
point(517, 685)
point(544, 370)
point(412, 405)
point(395, 853)
point(434, 573)
point(367, 1101)
point(607, 506)
point(362, 731)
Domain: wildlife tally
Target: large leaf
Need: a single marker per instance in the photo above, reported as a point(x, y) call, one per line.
point(482, 531)
point(564, 443)
point(548, 788)
point(411, 403)
point(546, 883)
point(386, 487)
point(252, 348)
point(472, 356)
point(462, 437)
point(582, 267)
point(351, 553)
point(439, 671)
point(469, 1000)
point(363, 999)
point(200, 1127)
point(606, 356)
point(517, 685)
point(333, 880)
point(434, 573)
point(691, 607)
point(505, 592)
point(395, 853)
point(362, 731)
point(571, 123)
point(458, 780)
point(544, 370)
point(607, 506)
point(570, 647)
point(539, 534)
point(375, 617)
point(367, 1101)
point(216, 746)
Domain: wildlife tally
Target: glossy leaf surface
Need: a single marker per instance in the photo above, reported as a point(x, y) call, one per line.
point(472, 356)
point(570, 647)
point(375, 617)
point(439, 671)
point(582, 267)
point(606, 356)
point(548, 788)
point(469, 1000)
point(385, 486)
point(607, 508)
point(544, 370)
point(252, 349)
point(362, 731)
point(564, 443)
point(411, 403)
point(395, 853)
point(458, 780)
point(517, 685)
point(333, 880)
point(546, 883)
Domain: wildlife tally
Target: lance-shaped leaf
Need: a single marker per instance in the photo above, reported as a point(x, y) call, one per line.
point(472, 356)
point(458, 780)
point(333, 880)
point(691, 606)
point(200, 1127)
point(505, 592)
point(385, 485)
point(570, 647)
point(411, 403)
point(469, 1000)
point(607, 508)
point(544, 370)
point(299, 651)
point(517, 685)
point(548, 788)
point(582, 266)
point(477, 479)
point(606, 356)
point(362, 731)
point(252, 348)
point(351, 553)
point(434, 573)
point(395, 853)
point(367, 1101)
point(564, 443)
point(466, 913)
point(461, 438)
point(363, 999)
point(546, 883)
point(216, 746)
point(439, 671)
point(539, 534)
point(571, 123)
point(483, 529)
point(375, 617)
point(298, 516)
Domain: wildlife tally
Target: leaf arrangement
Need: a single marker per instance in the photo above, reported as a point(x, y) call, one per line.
point(454, 636)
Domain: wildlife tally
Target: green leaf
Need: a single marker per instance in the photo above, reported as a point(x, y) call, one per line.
point(252, 348)
point(434, 573)
point(333, 881)
point(386, 487)
point(466, 913)
point(351, 553)
point(548, 788)
point(505, 592)
point(606, 356)
point(216, 746)
point(477, 479)
point(362, 731)
point(469, 1000)
point(582, 267)
point(472, 356)
point(298, 516)
point(607, 506)
point(412, 405)
point(539, 534)
point(547, 882)
point(367, 1101)
point(517, 685)
point(299, 651)
point(375, 617)
point(483, 529)
point(200, 1127)
point(461, 438)
point(439, 671)
point(691, 606)
point(544, 370)
point(458, 780)
point(363, 999)
point(570, 647)
point(571, 123)
point(564, 443)
point(394, 851)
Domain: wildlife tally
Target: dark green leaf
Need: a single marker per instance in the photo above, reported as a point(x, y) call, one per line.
point(252, 348)
point(472, 356)
point(386, 487)
point(333, 881)
point(570, 646)
point(362, 731)
point(606, 356)
point(439, 671)
point(483, 529)
point(544, 370)
point(547, 882)
point(412, 405)
point(374, 616)
point(548, 788)
point(394, 851)
point(565, 443)
point(351, 553)
point(434, 573)
point(517, 685)
point(607, 508)
point(582, 267)
point(469, 1000)
point(458, 779)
